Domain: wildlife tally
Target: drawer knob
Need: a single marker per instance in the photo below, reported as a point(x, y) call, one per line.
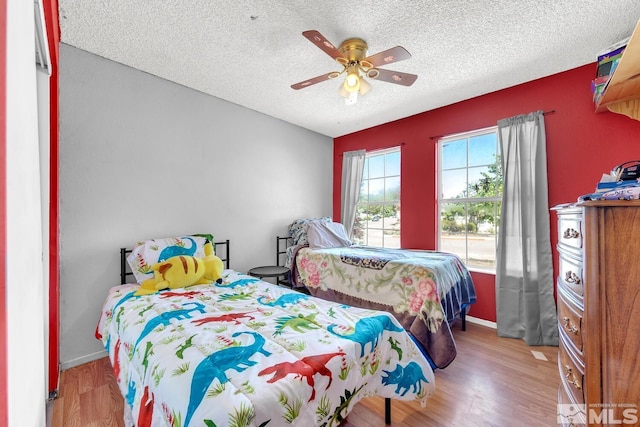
point(570, 233)
point(568, 372)
point(571, 277)
point(569, 326)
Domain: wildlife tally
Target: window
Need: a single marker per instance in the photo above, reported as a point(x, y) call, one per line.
point(470, 194)
point(378, 217)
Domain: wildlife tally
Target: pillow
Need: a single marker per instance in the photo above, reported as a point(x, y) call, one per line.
point(150, 252)
point(323, 235)
point(298, 229)
point(184, 271)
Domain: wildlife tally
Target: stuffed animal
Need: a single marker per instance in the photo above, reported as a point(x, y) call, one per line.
point(182, 271)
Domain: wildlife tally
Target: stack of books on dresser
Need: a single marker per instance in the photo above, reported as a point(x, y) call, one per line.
point(613, 186)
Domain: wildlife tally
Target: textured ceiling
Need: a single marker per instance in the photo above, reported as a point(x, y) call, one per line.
point(250, 52)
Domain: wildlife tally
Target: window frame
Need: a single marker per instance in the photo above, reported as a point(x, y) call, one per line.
point(441, 200)
point(376, 153)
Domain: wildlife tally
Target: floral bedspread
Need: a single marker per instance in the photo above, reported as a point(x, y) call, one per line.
point(411, 281)
point(249, 353)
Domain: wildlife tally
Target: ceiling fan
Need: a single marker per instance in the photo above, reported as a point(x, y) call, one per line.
point(352, 55)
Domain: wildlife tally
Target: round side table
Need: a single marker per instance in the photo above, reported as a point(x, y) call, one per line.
point(270, 271)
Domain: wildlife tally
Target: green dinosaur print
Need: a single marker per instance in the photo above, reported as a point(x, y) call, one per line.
point(119, 315)
point(235, 297)
point(147, 352)
point(184, 346)
point(143, 311)
point(297, 323)
point(345, 400)
point(396, 347)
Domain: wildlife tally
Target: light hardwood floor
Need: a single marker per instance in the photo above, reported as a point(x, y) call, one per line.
point(492, 382)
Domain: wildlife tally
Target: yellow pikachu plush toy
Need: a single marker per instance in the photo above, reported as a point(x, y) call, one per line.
point(182, 271)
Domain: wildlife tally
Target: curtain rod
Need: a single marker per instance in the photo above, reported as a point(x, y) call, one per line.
point(389, 148)
point(544, 113)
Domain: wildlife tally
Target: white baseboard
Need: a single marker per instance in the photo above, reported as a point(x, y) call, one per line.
point(86, 359)
point(482, 322)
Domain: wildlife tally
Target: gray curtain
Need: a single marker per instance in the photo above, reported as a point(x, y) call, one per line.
point(524, 274)
point(352, 168)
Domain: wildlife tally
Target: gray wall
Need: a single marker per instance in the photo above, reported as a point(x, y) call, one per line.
point(141, 157)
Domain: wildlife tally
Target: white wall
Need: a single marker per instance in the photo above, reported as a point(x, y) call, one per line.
point(42, 78)
point(141, 157)
point(26, 293)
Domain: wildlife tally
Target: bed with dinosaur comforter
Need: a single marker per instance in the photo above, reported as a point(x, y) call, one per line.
point(245, 352)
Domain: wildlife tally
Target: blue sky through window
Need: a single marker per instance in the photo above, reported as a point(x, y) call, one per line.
point(464, 156)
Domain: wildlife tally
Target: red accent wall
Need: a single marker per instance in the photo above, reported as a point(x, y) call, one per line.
point(50, 8)
point(581, 146)
point(4, 394)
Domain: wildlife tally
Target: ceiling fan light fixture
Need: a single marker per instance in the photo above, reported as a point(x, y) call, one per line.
point(357, 65)
point(352, 82)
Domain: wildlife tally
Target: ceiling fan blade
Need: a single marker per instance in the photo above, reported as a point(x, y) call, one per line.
point(313, 81)
point(319, 40)
point(396, 77)
point(388, 56)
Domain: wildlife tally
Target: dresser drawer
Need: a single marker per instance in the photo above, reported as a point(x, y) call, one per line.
point(570, 230)
point(572, 415)
point(571, 372)
point(571, 277)
point(570, 320)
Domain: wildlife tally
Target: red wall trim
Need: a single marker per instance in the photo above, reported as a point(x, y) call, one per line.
point(4, 392)
point(53, 33)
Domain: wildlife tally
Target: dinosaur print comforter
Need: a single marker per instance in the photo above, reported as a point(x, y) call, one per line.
point(249, 353)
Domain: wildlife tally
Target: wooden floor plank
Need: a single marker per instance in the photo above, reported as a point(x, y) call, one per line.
point(492, 382)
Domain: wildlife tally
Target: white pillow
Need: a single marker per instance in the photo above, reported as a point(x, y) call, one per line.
point(323, 235)
point(298, 229)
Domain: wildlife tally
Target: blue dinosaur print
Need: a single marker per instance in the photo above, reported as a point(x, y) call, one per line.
point(409, 376)
point(171, 251)
point(131, 393)
point(368, 330)
point(236, 358)
point(166, 317)
point(123, 299)
point(284, 300)
point(241, 282)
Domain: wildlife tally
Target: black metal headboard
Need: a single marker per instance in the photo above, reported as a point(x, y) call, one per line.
point(282, 243)
point(125, 271)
